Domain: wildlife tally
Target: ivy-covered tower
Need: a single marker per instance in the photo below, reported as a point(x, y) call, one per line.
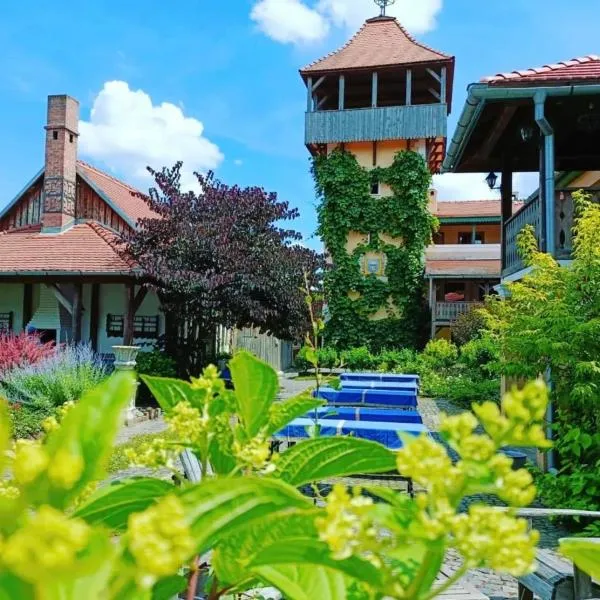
point(376, 125)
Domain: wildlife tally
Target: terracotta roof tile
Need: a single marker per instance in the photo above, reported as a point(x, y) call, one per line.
point(381, 41)
point(472, 208)
point(86, 248)
point(125, 197)
point(584, 68)
point(464, 268)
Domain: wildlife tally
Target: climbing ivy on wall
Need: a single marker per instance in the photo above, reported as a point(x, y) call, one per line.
point(346, 205)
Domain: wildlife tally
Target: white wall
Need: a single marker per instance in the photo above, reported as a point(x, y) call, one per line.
point(11, 300)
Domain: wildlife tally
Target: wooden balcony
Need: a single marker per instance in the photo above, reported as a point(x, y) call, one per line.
point(531, 214)
point(448, 312)
point(419, 121)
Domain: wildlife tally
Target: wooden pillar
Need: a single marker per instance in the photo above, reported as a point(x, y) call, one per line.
point(342, 93)
point(27, 304)
point(95, 316)
point(77, 312)
point(408, 87)
point(474, 234)
point(309, 97)
point(443, 86)
point(374, 89)
point(129, 314)
point(506, 203)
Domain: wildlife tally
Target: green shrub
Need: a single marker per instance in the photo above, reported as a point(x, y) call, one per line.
point(327, 357)
point(65, 376)
point(440, 354)
point(301, 361)
point(481, 355)
point(460, 389)
point(27, 419)
point(469, 326)
point(358, 359)
point(153, 363)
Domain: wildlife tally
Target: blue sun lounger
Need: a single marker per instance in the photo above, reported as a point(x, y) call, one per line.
point(384, 433)
point(369, 397)
point(379, 415)
point(380, 385)
point(398, 377)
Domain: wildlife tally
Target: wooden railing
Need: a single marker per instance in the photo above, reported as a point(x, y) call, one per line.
point(448, 312)
point(530, 214)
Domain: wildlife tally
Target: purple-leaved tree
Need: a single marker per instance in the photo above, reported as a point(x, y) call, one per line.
point(221, 257)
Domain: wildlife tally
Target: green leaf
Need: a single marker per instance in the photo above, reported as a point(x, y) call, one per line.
point(111, 505)
point(214, 508)
point(231, 557)
point(282, 413)
point(5, 431)
point(87, 432)
point(585, 553)
point(320, 458)
point(13, 588)
point(306, 582)
point(169, 587)
point(256, 386)
point(168, 391)
point(312, 552)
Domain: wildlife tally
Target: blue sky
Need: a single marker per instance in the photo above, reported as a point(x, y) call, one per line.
point(228, 73)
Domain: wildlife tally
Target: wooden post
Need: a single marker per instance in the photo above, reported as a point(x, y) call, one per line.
point(582, 583)
point(408, 87)
point(342, 92)
point(77, 312)
point(506, 192)
point(129, 314)
point(309, 98)
point(474, 234)
point(374, 89)
point(95, 316)
point(443, 86)
point(27, 304)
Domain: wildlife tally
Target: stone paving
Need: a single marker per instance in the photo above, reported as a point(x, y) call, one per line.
point(493, 585)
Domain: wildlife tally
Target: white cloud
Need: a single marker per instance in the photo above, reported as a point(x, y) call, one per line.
point(301, 22)
point(128, 132)
point(289, 21)
point(473, 186)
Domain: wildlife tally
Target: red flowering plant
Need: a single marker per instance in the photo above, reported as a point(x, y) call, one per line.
point(20, 350)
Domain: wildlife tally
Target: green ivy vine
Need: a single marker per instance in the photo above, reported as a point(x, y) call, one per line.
point(346, 205)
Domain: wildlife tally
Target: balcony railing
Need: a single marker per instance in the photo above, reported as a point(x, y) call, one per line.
point(448, 312)
point(376, 124)
point(530, 214)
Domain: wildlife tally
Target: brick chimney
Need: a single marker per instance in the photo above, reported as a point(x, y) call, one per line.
point(60, 162)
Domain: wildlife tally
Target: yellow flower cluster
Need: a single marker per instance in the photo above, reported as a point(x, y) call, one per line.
point(53, 423)
point(254, 454)
point(48, 543)
point(155, 454)
point(65, 469)
point(514, 487)
point(187, 423)
point(8, 491)
point(347, 527)
point(30, 461)
point(487, 537)
point(159, 539)
point(210, 382)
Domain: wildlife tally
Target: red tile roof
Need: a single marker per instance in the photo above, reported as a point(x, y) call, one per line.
point(86, 248)
point(584, 68)
point(463, 268)
point(124, 197)
point(380, 42)
point(472, 208)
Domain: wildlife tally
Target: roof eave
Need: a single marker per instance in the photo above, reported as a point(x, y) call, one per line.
point(14, 201)
point(471, 219)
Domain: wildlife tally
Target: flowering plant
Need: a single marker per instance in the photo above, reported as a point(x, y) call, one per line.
point(140, 538)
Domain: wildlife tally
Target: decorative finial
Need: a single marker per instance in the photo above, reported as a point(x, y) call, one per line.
point(383, 4)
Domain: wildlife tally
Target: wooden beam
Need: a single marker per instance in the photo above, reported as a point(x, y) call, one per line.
point(139, 298)
point(435, 94)
point(374, 89)
point(497, 130)
point(318, 83)
point(95, 316)
point(374, 154)
point(408, 87)
point(61, 297)
point(27, 304)
point(129, 314)
point(322, 101)
point(77, 313)
point(506, 203)
point(434, 75)
point(309, 98)
point(342, 92)
point(443, 85)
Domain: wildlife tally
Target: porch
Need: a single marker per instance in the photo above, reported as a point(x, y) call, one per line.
point(445, 313)
point(531, 214)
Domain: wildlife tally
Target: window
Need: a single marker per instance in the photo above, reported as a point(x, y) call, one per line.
point(466, 237)
point(71, 138)
point(6, 322)
point(373, 266)
point(439, 237)
point(55, 135)
point(143, 327)
point(375, 188)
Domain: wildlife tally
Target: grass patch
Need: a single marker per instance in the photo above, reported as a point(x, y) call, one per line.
point(118, 461)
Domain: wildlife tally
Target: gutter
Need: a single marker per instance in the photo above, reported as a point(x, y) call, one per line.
point(68, 273)
point(480, 93)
